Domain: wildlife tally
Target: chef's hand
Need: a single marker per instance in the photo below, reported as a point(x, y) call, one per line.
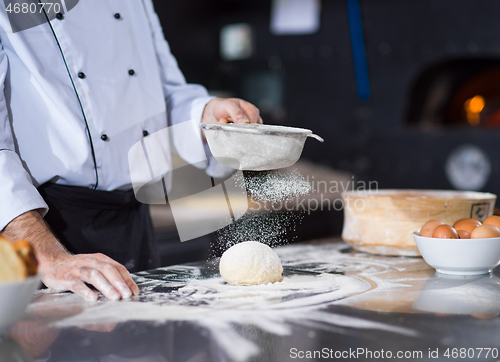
point(72, 272)
point(62, 271)
point(230, 110)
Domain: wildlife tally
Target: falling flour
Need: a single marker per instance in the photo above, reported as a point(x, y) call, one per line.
point(269, 223)
point(275, 185)
point(271, 228)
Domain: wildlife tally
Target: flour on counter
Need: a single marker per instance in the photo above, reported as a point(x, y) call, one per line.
point(314, 279)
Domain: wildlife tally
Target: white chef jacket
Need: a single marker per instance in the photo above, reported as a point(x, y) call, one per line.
point(78, 92)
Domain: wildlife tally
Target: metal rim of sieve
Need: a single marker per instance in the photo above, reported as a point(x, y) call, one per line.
point(256, 129)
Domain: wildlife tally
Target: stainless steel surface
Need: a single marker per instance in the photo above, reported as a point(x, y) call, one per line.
point(256, 147)
point(343, 303)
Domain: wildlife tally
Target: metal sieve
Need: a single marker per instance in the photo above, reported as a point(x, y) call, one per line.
point(256, 147)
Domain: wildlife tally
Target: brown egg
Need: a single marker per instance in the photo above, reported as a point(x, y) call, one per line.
point(492, 220)
point(445, 232)
point(463, 234)
point(429, 227)
point(485, 231)
point(466, 226)
point(458, 222)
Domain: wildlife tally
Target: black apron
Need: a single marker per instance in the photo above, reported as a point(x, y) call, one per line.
point(110, 222)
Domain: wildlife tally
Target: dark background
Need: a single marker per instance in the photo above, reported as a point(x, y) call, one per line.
point(411, 46)
point(424, 59)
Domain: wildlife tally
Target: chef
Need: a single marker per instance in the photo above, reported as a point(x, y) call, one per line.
point(79, 90)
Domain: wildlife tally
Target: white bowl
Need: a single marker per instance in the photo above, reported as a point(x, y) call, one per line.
point(381, 221)
point(459, 256)
point(451, 294)
point(14, 298)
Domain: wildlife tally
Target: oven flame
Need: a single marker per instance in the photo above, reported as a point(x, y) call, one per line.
point(473, 108)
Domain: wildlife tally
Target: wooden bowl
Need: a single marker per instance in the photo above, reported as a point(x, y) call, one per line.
point(382, 222)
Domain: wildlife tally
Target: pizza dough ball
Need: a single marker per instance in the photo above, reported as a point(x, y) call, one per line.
point(250, 263)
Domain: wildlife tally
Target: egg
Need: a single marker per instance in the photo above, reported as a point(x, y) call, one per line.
point(466, 226)
point(445, 232)
point(463, 234)
point(460, 221)
point(429, 227)
point(485, 231)
point(492, 220)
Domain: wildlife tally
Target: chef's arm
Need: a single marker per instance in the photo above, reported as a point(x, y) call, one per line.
point(62, 271)
point(21, 218)
point(191, 101)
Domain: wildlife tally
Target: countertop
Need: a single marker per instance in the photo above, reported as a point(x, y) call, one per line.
point(333, 303)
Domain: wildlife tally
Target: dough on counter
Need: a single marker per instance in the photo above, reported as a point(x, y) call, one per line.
point(250, 263)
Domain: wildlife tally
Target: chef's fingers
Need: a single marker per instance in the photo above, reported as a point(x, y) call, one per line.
point(251, 112)
point(80, 288)
point(230, 110)
point(117, 274)
point(130, 284)
point(95, 277)
point(241, 111)
point(233, 111)
point(115, 278)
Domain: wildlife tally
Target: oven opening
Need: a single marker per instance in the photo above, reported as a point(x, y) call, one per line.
point(460, 94)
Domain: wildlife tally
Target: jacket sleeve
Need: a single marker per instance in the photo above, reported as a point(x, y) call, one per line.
point(185, 102)
point(17, 192)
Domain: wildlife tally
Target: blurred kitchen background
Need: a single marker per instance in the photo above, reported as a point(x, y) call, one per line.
point(405, 93)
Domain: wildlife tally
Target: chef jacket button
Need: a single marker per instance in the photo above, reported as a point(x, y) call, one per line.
point(145, 133)
point(118, 16)
point(82, 75)
point(104, 137)
point(131, 72)
point(59, 16)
